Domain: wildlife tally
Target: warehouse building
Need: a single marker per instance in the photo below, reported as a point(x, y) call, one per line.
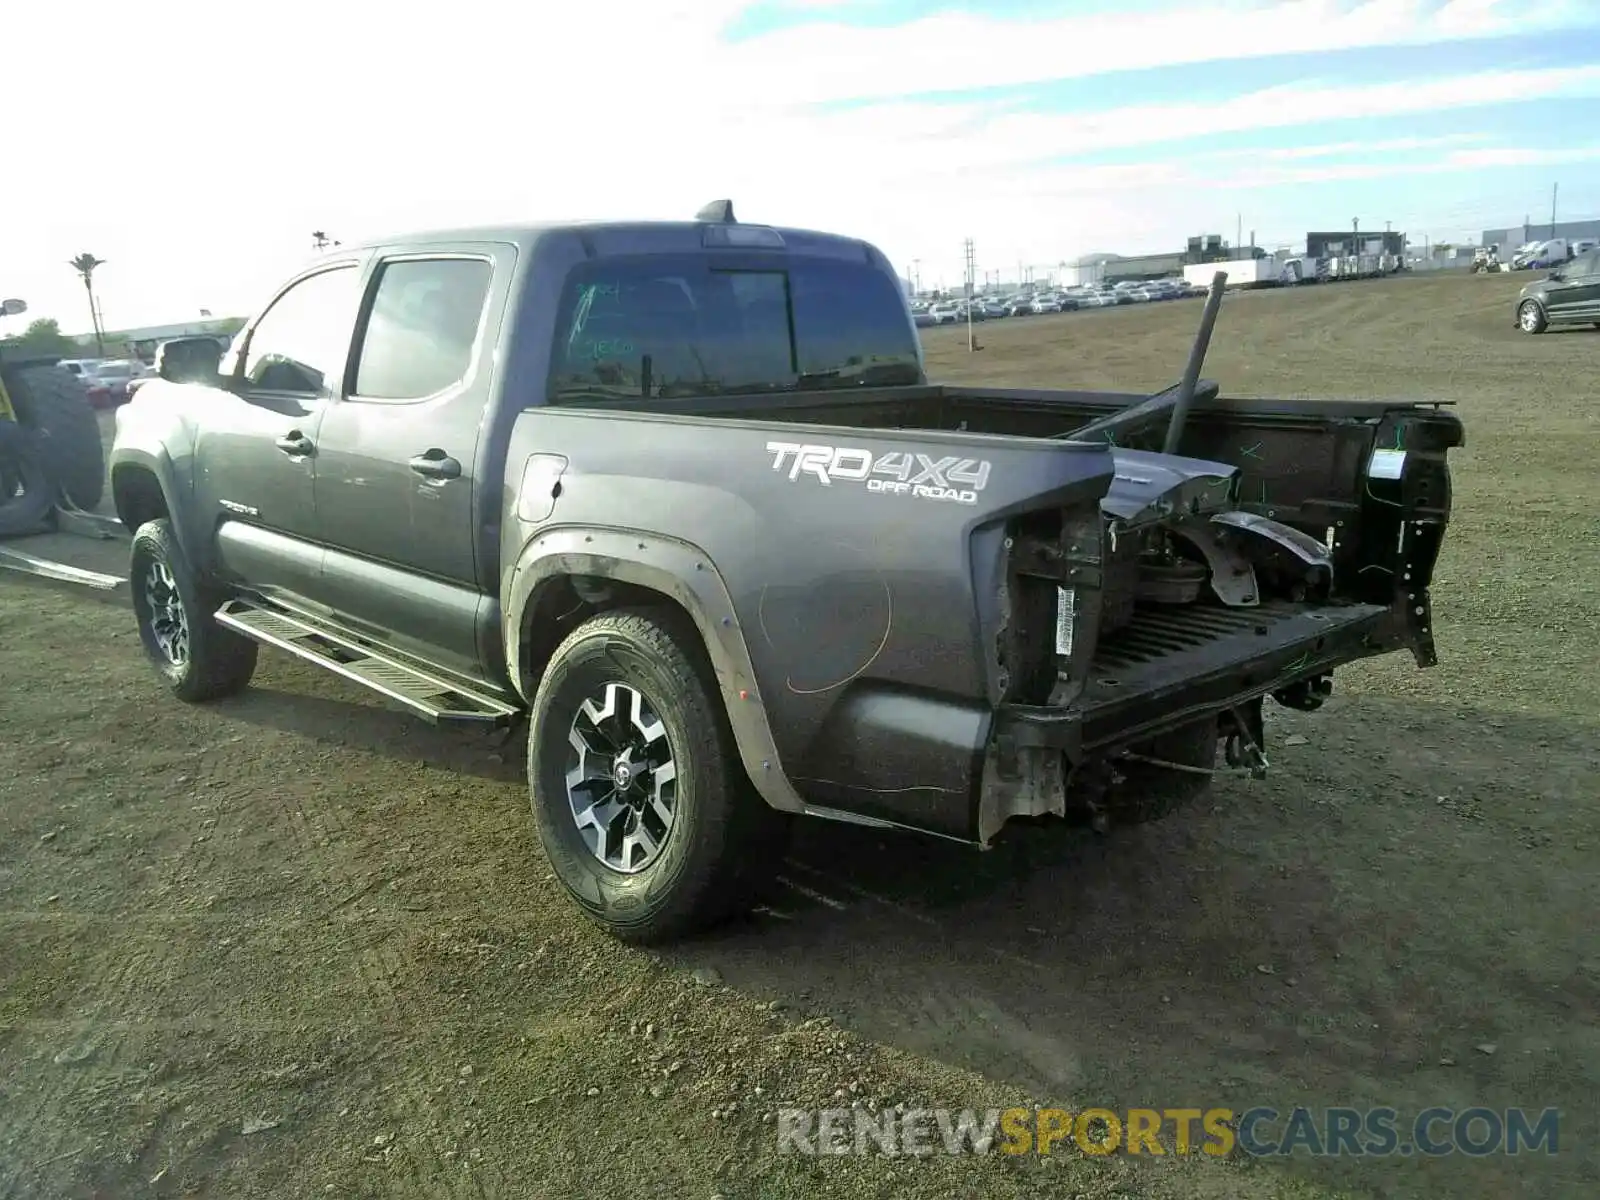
point(1357, 241)
point(1520, 235)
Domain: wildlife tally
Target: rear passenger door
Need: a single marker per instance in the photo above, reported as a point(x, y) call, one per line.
point(1564, 299)
point(397, 490)
point(1581, 288)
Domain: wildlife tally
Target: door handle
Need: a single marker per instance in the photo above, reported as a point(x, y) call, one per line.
point(436, 464)
point(296, 444)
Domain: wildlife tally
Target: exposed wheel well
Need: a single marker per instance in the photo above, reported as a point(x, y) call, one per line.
point(137, 496)
point(563, 604)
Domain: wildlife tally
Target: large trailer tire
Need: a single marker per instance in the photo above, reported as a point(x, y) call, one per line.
point(54, 404)
point(27, 491)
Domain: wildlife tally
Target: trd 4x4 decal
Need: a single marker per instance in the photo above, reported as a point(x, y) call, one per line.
point(896, 473)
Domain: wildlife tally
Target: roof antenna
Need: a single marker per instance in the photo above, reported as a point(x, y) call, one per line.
point(720, 211)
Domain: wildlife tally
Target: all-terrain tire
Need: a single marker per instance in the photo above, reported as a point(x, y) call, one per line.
point(1148, 792)
point(27, 489)
point(212, 661)
point(54, 404)
point(706, 864)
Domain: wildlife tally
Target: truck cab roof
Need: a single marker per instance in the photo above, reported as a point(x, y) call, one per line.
point(605, 239)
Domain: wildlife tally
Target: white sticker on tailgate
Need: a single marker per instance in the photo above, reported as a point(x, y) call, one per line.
point(1066, 612)
point(1386, 464)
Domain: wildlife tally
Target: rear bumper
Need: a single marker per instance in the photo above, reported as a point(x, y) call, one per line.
point(1171, 666)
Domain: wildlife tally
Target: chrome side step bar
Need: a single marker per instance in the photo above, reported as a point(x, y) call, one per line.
point(426, 695)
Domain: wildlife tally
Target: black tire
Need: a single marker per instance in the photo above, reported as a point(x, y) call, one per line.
point(55, 405)
point(215, 661)
point(27, 490)
point(1148, 792)
point(722, 834)
point(1531, 317)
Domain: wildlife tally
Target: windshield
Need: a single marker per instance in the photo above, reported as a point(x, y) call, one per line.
point(113, 369)
point(671, 326)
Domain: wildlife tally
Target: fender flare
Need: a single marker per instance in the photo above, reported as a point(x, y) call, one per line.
point(684, 574)
point(159, 466)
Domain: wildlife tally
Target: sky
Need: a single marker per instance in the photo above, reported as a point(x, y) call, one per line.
point(196, 146)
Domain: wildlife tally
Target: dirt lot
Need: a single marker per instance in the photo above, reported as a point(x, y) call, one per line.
point(299, 945)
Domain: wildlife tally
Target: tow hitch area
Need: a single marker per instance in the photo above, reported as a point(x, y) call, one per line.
point(1244, 736)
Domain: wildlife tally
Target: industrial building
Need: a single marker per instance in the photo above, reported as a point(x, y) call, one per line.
point(1520, 235)
point(1355, 241)
point(1110, 268)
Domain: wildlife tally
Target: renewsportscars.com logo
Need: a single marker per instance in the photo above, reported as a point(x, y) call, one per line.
point(1257, 1132)
point(953, 479)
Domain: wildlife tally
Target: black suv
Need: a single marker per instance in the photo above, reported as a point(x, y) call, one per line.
point(1569, 295)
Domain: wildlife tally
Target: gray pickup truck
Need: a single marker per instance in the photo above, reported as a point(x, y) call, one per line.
point(680, 496)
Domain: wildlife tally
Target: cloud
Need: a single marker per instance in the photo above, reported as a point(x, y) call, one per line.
point(1402, 145)
point(248, 128)
point(830, 61)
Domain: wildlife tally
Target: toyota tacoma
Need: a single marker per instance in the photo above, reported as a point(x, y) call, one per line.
point(680, 498)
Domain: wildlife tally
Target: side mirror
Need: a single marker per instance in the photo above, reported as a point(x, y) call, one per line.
point(1557, 275)
point(13, 308)
point(188, 360)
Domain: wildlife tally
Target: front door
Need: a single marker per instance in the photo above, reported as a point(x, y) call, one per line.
point(1579, 296)
point(397, 459)
point(257, 443)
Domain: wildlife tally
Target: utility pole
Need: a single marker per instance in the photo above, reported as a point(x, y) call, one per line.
point(1238, 232)
point(972, 265)
point(1554, 188)
point(916, 268)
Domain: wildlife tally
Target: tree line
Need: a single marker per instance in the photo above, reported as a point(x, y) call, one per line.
point(43, 338)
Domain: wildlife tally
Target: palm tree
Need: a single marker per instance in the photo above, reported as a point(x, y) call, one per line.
point(84, 265)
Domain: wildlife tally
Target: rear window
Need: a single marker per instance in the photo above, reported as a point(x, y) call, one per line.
point(671, 327)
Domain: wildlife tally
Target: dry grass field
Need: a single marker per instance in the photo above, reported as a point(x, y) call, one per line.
point(298, 945)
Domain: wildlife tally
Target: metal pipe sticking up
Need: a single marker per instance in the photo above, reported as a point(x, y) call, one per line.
point(1197, 358)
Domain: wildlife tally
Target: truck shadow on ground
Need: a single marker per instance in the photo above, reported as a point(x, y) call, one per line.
point(365, 723)
point(1398, 929)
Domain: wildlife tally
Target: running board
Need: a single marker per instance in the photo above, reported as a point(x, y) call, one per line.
point(414, 689)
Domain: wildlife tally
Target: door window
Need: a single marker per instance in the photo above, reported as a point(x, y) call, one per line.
point(422, 328)
point(1584, 265)
point(299, 344)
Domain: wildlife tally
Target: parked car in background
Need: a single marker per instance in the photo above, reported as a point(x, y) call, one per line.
point(1569, 295)
point(80, 367)
point(108, 381)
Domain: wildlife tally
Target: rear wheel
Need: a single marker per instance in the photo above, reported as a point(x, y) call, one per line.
point(54, 404)
point(1531, 318)
point(199, 659)
point(638, 796)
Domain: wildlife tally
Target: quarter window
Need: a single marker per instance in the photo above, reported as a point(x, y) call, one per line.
point(299, 344)
point(422, 328)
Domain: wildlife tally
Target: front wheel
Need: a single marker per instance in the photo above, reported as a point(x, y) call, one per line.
point(638, 796)
point(1531, 318)
point(199, 659)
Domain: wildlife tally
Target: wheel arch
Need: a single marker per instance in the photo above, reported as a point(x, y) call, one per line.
point(144, 488)
point(564, 576)
point(1539, 303)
